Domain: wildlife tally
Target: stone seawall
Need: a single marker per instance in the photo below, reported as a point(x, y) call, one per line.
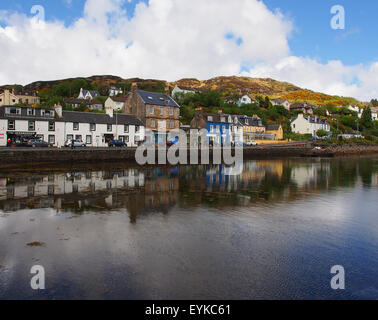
point(11, 158)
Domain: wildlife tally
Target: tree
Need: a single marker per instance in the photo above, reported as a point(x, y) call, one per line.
point(366, 120)
point(321, 133)
point(374, 102)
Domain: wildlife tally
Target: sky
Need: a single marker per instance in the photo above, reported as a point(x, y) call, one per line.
point(288, 40)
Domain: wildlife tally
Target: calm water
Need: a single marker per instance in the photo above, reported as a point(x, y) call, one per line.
point(271, 229)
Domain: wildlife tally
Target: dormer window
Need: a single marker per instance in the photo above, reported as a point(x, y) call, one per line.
point(209, 118)
point(47, 113)
point(149, 97)
point(229, 119)
point(223, 119)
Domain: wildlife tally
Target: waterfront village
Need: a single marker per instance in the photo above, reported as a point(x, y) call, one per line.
point(122, 117)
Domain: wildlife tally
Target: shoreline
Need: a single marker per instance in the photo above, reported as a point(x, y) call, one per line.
point(15, 158)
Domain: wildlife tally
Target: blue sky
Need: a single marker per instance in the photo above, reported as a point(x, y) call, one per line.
point(312, 35)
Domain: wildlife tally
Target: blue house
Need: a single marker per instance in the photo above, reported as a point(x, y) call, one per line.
point(220, 127)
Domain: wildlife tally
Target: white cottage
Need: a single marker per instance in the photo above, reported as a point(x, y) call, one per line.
point(57, 126)
point(308, 124)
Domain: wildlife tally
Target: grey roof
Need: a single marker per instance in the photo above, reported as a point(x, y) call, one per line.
point(252, 121)
point(158, 99)
point(75, 116)
point(272, 127)
point(92, 92)
point(100, 118)
point(279, 100)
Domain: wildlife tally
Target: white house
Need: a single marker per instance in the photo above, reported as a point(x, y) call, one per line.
point(374, 113)
point(115, 103)
point(88, 94)
point(57, 126)
point(245, 100)
point(309, 125)
point(182, 89)
point(113, 91)
point(303, 107)
point(281, 102)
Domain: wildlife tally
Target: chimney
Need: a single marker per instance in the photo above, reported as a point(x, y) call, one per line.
point(109, 112)
point(59, 110)
point(134, 87)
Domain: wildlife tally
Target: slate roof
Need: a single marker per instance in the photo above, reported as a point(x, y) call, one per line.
point(92, 92)
point(273, 127)
point(75, 116)
point(279, 100)
point(99, 118)
point(157, 99)
point(119, 99)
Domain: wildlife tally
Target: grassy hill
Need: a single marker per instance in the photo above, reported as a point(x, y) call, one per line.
point(226, 85)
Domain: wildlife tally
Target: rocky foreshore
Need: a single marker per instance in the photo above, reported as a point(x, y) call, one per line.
point(344, 150)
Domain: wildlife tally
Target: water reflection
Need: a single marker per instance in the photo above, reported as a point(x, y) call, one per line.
point(273, 230)
point(141, 190)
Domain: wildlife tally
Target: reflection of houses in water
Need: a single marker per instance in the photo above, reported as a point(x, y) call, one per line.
point(310, 174)
point(233, 178)
point(70, 183)
point(133, 189)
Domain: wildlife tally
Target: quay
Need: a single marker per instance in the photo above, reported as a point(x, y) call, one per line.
point(17, 157)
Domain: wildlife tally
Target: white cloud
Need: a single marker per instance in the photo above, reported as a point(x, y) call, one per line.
point(169, 39)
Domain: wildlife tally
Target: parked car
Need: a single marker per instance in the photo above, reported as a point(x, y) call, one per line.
point(313, 138)
point(75, 143)
point(117, 143)
point(38, 143)
point(252, 144)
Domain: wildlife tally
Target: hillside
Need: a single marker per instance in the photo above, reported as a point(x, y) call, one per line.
point(226, 85)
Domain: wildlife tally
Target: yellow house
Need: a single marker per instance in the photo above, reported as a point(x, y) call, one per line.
point(252, 127)
point(277, 130)
point(8, 98)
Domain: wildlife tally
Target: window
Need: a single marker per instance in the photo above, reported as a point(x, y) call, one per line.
point(126, 128)
point(223, 119)
point(126, 139)
point(171, 111)
point(217, 128)
point(31, 126)
point(161, 111)
point(78, 137)
point(211, 128)
point(136, 129)
point(47, 113)
point(13, 111)
point(11, 125)
point(109, 128)
point(69, 137)
point(152, 123)
point(92, 127)
point(151, 110)
point(75, 126)
point(30, 112)
point(209, 118)
point(246, 121)
point(51, 126)
point(171, 124)
point(161, 124)
point(52, 139)
point(88, 140)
